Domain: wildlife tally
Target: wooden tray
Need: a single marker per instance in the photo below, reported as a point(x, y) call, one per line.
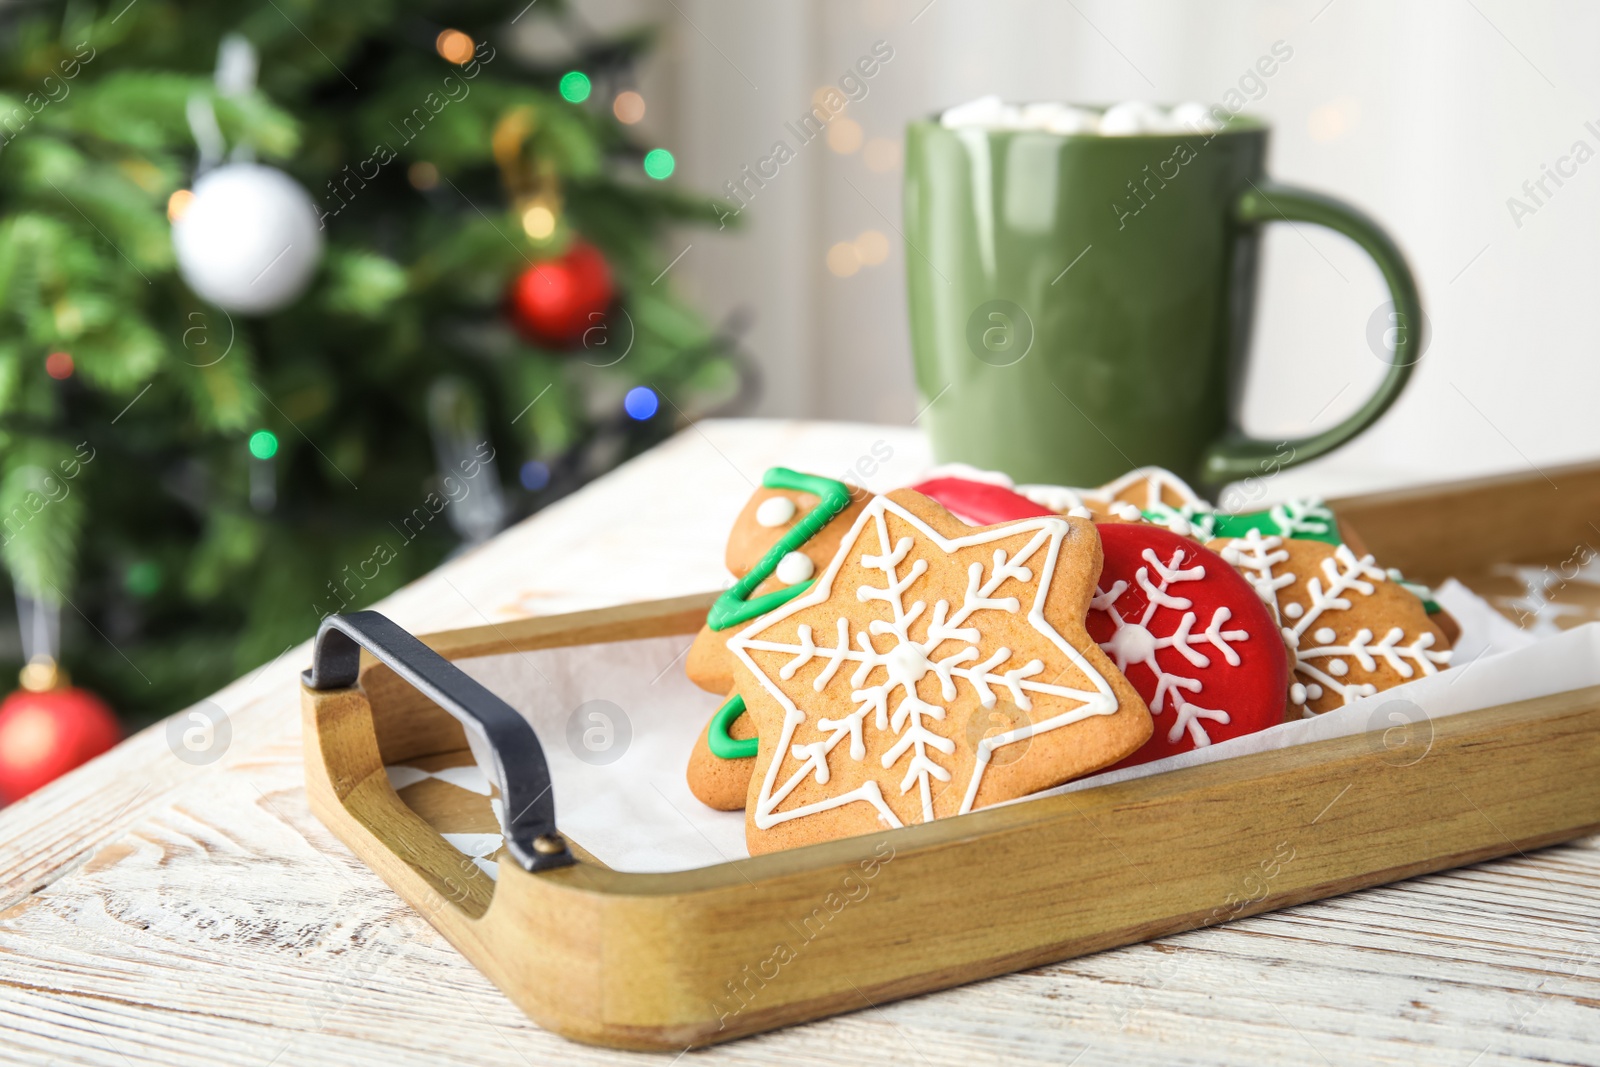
point(668, 961)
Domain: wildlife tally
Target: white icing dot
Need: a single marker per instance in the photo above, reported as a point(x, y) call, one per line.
point(1126, 512)
point(794, 568)
point(775, 511)
point(1294, 611)
point(1297, 693)
point(1079, 512)
point(1325, 635)
point(1313, 691)
point(1338, 668)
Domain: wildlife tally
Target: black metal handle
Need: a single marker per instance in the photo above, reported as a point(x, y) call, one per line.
point(502, 741)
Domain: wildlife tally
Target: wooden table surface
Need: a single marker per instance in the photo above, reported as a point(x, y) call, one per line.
point(157, 912)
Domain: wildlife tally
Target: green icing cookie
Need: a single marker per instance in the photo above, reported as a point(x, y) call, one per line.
point(1306, 519)
point(735, 606)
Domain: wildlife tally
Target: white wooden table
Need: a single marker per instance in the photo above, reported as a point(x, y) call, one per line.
point(157, 912)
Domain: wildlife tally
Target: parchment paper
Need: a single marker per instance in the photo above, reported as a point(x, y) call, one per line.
point(619, 777)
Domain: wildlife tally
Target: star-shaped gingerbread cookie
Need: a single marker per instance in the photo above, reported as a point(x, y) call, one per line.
point(933, 669)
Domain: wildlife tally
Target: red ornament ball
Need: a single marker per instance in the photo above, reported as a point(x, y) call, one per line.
point(43, 735)
point(557, 301)
point(1191, 635)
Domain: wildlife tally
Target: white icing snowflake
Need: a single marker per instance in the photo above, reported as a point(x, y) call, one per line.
point(1256, 556)
point(1296, 517)
point(1343, 575)
point(889, 658)
point(1136, 642)
point(1190, 520)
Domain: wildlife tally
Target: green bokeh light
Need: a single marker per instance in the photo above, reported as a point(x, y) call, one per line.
point(575, 86)
point(263, 444)
point(143, 578)
point(659, 164)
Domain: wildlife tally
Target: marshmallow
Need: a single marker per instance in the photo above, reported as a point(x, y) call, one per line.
point(1195, 116)
point(1059, 118)
point(984, 111)
point(1132, 117)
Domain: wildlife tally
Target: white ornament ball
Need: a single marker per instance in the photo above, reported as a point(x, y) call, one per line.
point(250, 239)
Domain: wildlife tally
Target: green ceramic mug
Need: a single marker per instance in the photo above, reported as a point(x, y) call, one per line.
point(1081, 304)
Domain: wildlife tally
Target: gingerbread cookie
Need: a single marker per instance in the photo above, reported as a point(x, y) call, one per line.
point(933, 669)
point(1445, 621)
point(724, 758)
point(1123, 499)
point(787, 531)
point(1305, 519)
point(1353, 631)
point(1191, 635)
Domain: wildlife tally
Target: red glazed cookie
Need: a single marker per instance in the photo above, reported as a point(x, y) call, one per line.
point(1191, 635)
point(979, 503)
point(874, 694)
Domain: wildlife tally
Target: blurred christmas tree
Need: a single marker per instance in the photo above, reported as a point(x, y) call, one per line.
point(296, 297)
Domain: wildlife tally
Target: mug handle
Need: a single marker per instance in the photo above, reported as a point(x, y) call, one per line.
point(1238, 455)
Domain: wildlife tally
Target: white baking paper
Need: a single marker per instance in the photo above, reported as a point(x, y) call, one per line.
point(618, 722)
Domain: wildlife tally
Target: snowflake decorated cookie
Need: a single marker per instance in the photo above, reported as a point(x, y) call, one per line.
point(933, 669)
point(1351, 628)
point(1192, 636)
point(1123, 499)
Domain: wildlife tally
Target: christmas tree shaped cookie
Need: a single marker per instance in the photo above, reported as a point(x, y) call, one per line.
point(932, 669)
point(804, 514)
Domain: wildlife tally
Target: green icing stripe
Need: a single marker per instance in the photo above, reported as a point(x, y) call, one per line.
point(1239, 525)
point(723, 745)
point(1421, 592)
point(734, 606)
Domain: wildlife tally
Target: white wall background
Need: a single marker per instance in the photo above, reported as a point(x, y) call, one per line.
point(1428, 113)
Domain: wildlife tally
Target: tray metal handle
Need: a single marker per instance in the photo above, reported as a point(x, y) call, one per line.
point(503, 742)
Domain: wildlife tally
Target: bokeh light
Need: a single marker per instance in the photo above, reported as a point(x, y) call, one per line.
point(659, 164)
point(454, 46)
point(539, 222)
point(628, 107)
point(844, 136)
point(58, 365)
point(872, 247)
point(143, 578)
point(534, 476)
point(843, 260)
point(178, 203)
point(575, 86)
point(641, 402)
point(422, 175)
point(263, 444)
